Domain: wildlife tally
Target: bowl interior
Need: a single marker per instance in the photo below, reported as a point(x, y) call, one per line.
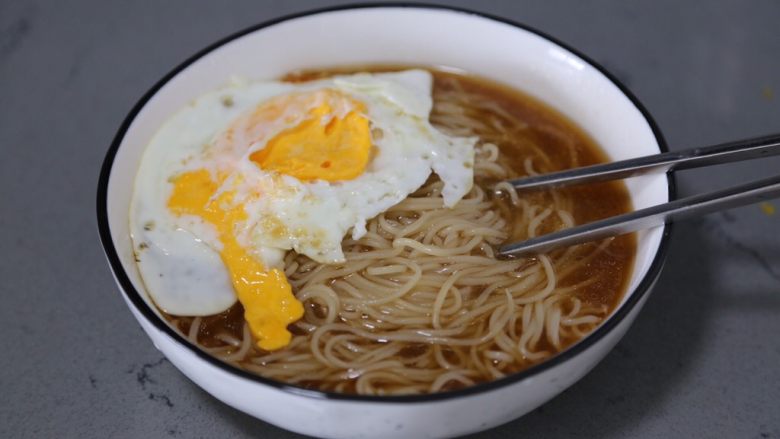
point(399, 35)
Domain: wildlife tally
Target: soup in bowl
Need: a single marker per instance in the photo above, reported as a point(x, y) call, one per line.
point(304, 216)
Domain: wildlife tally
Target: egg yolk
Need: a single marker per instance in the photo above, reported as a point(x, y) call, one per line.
point(323, 146)
point(332, 142)
point(269, 305)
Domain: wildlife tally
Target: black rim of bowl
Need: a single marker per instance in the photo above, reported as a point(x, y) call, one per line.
point(130, 292)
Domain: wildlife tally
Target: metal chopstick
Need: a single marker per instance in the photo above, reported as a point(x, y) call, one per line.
point(656, 215)
point(650, 217)
point(678, 160)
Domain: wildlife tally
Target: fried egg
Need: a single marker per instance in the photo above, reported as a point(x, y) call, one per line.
point(246, 173)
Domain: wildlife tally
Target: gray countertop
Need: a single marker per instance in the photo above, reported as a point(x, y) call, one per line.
point(702, 359)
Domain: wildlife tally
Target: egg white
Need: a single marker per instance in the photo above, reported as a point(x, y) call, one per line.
point(178, 256)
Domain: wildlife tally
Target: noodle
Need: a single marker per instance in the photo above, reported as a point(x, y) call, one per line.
point(422, 305)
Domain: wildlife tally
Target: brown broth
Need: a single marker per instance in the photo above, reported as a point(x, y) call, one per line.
point(562, 140)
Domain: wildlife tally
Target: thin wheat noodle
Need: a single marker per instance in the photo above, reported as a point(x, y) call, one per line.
point(421, 304)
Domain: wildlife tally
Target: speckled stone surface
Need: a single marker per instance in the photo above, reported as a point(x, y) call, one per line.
point(702, 359)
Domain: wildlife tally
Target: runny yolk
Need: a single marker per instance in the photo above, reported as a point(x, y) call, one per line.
point(323, 146)
point(269, 305)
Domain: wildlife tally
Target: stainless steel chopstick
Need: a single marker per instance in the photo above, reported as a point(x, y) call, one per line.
point(678, 160)
point(650, 217)
point(656, 215)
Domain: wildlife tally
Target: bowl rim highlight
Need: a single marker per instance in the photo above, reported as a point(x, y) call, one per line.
point(149, 314)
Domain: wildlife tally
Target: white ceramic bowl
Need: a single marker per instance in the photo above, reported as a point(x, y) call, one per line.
point(415, 35)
